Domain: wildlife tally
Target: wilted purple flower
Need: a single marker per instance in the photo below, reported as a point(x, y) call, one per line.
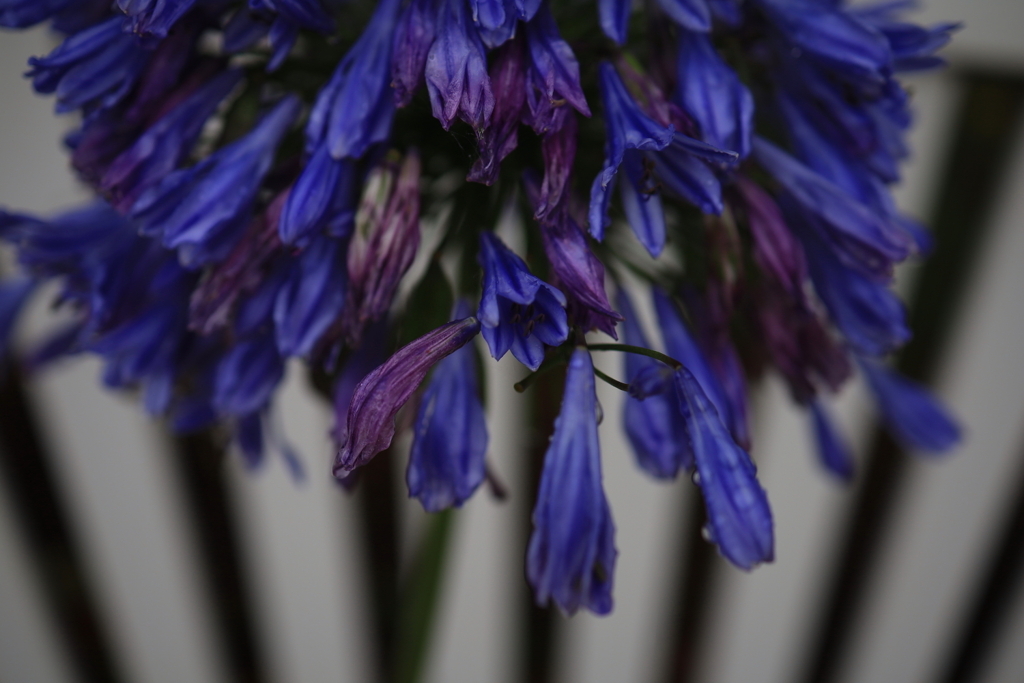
point(628, 127)
point(713, 95)
point(776, 250)
point(96, 67)
point(446, 463)
point(571, 556)
point(499, 138)
point(456, 70)
point(154, 17)
point(559, 151)
point(692, 15)
point(386, 238)
point(370, 422)
point(518, 311)
point(201, 211)
point(554, 75)
point(165, 145)
point(739, 518)
point(833, 450)
point(652, 423)
point(915, 417)
point(614, 17)
point(414, 35)
point(355, 109)
point(312, 298)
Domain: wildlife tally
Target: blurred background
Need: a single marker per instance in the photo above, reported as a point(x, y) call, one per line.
point(128, 555)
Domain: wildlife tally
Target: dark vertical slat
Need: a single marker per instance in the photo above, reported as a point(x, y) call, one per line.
point(26, 468)
point(692, 599)
point(379, 525)
point(995, 593)
point(989, 117)
point(199, 461)
point(539, 625)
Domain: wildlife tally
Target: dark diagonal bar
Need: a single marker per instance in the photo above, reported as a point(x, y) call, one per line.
point(986, 123)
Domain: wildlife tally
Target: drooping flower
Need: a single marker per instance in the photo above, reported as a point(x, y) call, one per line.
point(322, 199)
point(446, 463)
point(652, 423)
point(25, 13)
point(500, 137)
point(554, 75)
point(311, 298)
point(456, 71)
point(614, 18)
point(154, 17)
point(833, 450)
point(571, 556)
point(247, 376)
point(370, 421)
point(414, 35)
point(914, 416)
point(386, 238)
point(518, 311)
point(693, 15)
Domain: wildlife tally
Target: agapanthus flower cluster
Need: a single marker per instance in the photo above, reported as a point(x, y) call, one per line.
point(262, 169)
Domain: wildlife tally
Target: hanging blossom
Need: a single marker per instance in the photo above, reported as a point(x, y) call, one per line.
point(315, 179)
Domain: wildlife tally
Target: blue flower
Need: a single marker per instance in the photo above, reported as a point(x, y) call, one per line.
point(305, 13)
point(25, 13)
point(311, 299)
point(322, 199)
point(614, 17)
point(915, 417)
point(518, 311)
point(653, 425)
point(247, 376)
point(154, 17)
point(739, 518)
point(833, 450)
point(96, 67)
point(201, 211)
point(711, 92)
point(693, 15)
point(456, 70)
point(355, 109)
point(571, 556)
point(370, 419)
point(446, 464)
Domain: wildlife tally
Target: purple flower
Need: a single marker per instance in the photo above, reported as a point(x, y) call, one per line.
point(614, 17)
point(413, 37)
point(692, 15)
point(518, 311)
point(499, 138)
point(95, 68)
point(312, 298)
point(370, 423)
point(154, 17)
point(628, 127)
point(355, 109)
point(456, 70)
point(712, 94)
point(652, 423)
point(446, 464)
point(913, 415)
point(739, 518)
point(776, 251)
point(571, 556)
point(832, 447)
point(559, 151)
point(201, 211)
point(554, 75)
point(384, 245)
point(165, 145)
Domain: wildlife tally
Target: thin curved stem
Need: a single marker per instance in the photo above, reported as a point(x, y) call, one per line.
point(629, 348)
point(614, 382)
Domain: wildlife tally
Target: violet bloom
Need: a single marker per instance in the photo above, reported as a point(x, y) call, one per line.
point(201, 211)
point(387, 236)
point(554, 75)
point(311, 299)
point(370, 422)
point(446, 463)
point(518, 311)
point(833, 450)
point(713, 95)
point(559, 152)
point(571, 556)
point(413, 37)
point(915, 417)
point(776, 251)
point(95, 68)
point(355, 109)
point(154, 17)
point(165, 145)
point(652, 423)
point(500, 137)
point(456, 70)
point(739, 518)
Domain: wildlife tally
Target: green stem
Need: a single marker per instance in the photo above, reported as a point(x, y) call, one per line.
point(553, 362)
point(629, 348)
point(614, 382)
